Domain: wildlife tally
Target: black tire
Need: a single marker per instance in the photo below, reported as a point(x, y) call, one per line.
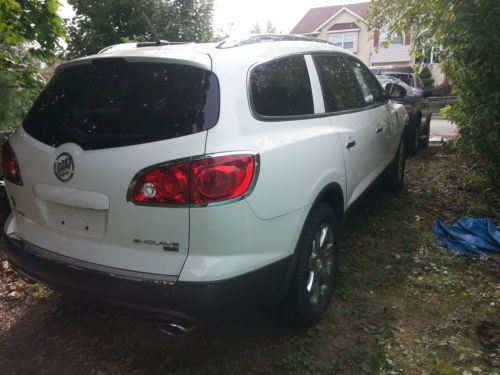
point(4, 205)
point(392, 178)
point(307, 303)
point(424, 143)
point(413, 146)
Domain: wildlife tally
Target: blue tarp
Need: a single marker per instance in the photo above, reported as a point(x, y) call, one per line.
point(469, 235)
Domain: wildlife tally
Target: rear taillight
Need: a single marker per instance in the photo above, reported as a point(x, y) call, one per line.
point(221, 178)
point(200, 181)
point(10, 167)
point(163, 185)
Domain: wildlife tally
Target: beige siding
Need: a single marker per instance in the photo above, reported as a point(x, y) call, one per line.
point(437, 74)
point(363, 36)
point(392, 55)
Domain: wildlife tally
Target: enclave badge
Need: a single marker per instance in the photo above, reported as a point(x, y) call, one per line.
point(64, 168)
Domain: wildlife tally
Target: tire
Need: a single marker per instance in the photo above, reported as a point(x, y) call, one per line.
point(4, 206)
point(414, 138)
point(393, 177)
point(315, 275)
point(424, 143)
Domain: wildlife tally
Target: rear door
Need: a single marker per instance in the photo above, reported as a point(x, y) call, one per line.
point(356, 127)
point(96, 125)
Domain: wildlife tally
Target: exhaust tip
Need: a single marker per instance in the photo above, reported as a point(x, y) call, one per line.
point(175, 328)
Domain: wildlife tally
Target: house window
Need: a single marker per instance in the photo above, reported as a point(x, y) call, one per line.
point(396, 39)
point(432, 55)
point(345, 40)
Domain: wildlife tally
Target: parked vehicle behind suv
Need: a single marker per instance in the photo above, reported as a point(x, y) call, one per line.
point(186, 182)
point(415, 102)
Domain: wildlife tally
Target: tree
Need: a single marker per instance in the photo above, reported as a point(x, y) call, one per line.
point(426, 77)
point(185, 20)
point(98, 24)
point(270, 28)
point(257, 29)
point(468, 33)
point(29, 35)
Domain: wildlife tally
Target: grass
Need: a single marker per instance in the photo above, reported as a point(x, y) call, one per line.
point(403, 305)
point(436, 105)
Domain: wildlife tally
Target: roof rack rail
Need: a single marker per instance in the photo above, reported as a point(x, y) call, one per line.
point(262, 38)
point(142, 44)
point(152, 44)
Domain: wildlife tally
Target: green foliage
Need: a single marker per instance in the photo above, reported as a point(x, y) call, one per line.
point(426, 77)
point(98, 24)
point(468, 33)
point(29, 35)
point(18, 89)
point(29, 21)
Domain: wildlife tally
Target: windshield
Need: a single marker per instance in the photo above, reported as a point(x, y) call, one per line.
point(112, 103)
point(406, 78)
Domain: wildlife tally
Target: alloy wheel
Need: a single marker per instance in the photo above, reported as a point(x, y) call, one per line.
point(401, 162)
point(320, 263)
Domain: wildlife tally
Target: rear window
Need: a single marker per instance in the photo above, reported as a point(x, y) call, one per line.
point(113, 103)
point(282, 88)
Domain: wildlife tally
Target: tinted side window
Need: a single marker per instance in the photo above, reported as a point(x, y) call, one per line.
point(282, 88)
point(370, 87)
point(339, 88)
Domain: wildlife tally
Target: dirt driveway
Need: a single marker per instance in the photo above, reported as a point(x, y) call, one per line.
point(403, 305)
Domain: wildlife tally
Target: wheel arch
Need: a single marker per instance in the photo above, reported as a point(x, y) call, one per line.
point(332, 194)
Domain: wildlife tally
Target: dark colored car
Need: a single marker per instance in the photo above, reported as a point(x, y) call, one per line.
point(417, 107)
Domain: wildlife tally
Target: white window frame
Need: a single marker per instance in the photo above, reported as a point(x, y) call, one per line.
point(343, 33)
point(384, 35)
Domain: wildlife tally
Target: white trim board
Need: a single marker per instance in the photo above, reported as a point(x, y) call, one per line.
point(336, 14)
point(343, 31)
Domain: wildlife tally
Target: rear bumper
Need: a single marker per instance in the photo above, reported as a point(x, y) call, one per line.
point(148, 297)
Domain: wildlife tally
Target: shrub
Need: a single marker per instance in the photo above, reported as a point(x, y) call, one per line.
point(426, 77)
point(467, 32)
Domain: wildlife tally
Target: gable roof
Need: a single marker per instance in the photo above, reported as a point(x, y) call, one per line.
point(316, 17)
point(344, 26)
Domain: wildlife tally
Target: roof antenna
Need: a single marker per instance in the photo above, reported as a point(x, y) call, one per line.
point(150, 26)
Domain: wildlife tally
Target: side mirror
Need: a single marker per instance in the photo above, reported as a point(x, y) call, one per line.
point(427, 93)
point(395, 91)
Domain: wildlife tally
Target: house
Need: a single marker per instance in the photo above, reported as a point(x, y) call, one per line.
point(346, 26)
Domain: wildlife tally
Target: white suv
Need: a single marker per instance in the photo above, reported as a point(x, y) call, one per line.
point(188, 181)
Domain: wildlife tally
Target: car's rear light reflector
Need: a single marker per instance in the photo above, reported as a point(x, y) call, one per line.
point(163, 185)
point(10, 166)
point(200, 181)
point(221, 178)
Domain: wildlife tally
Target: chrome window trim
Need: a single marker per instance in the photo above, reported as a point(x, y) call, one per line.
point(265, 118)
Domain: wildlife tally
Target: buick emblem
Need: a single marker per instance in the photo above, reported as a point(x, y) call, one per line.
point(64, 168)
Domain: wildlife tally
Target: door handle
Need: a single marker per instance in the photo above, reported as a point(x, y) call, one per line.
point(379, 130)
point(351, 143)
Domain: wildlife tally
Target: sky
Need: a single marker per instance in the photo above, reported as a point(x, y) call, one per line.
point(237, 16)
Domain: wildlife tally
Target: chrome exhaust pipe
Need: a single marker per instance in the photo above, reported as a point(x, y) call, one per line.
point(175, 328)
